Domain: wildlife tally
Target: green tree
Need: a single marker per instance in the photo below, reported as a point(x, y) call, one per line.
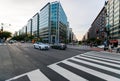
point(5, 35)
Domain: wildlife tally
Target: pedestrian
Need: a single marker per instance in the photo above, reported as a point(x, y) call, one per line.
point(90, 44)
point(110, 47)
point(105, 45)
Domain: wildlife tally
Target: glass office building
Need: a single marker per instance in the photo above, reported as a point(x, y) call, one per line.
point(113, 18)
point(35, 25)
point(53, 23)
point(29, 27)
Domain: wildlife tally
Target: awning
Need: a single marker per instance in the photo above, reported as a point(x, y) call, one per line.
point(113, 41)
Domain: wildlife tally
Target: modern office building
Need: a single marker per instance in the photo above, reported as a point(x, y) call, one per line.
point(53, 23)
point(29, 27)
point(70, 35)
point(35, 25)
point(85, 37)
point(24, 30)
point(113, 19)
point(50, 24)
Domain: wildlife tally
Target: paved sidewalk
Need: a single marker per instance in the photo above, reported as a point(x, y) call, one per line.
point(85, 47)
point(96, 49)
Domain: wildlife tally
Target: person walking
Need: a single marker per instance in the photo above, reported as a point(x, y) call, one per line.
point(110, 47)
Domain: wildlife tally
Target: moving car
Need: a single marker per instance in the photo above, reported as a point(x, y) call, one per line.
point(41, 46)
point(60, 46)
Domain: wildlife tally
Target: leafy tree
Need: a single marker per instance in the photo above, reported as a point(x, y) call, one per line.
point(5, 35)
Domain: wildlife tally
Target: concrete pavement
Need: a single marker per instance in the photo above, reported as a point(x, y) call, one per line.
point(85, 47)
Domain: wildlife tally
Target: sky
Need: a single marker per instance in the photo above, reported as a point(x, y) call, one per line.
point(80, 13)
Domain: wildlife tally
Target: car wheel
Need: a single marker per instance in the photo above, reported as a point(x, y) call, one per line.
point(40, 48)
point(34, 47)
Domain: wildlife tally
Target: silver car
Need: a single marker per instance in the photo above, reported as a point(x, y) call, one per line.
point(41, 46)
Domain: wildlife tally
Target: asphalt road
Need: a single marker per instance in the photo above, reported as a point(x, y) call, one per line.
point(17, 59)
point(21, 62)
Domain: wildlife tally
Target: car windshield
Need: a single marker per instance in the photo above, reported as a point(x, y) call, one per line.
point(39, 43)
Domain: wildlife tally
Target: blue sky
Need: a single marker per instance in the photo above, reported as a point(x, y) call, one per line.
point(80, 13)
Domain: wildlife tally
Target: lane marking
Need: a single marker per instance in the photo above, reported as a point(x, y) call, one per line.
point(35, 75)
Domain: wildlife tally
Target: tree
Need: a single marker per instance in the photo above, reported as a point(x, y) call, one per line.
point(5, 35)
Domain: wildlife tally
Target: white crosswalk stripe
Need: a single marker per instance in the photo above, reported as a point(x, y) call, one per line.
point(101, 58)
point(67, 74)
point(81, 66)
point(97, 65)
point(35, 75)
point(100, 61)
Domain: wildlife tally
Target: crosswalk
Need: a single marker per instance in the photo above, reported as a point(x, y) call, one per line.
point(91, 66)
point(35, 75)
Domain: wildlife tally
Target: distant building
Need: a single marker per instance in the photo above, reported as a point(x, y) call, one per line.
point(85, 37)
point(29, 27)
point(24, 30)
point(70, 35)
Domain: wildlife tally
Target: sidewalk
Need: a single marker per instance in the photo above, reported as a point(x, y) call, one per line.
point(85, 47)
point(96, 49)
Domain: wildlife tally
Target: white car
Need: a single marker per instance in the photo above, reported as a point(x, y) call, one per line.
point(41, 46)
point(100, 46)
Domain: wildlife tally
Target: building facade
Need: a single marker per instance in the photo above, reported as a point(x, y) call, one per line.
point(53, 23)
point(35, 25)
point(29, 27)
point(50, 24)
point(113, 19)
point(97, 29)
point(44, 28)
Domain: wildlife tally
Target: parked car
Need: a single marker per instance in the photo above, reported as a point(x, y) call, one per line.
point(41, 46)
point(11, 41)
point(103, 47)
point(100, 46)
point(60, 46)
point(22, 41)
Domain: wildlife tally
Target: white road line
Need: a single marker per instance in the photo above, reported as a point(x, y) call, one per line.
point(66, 73)
point(101, 58)
point(96, 65)
point(115, 65)
point(35, 75)
point(90, 71)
